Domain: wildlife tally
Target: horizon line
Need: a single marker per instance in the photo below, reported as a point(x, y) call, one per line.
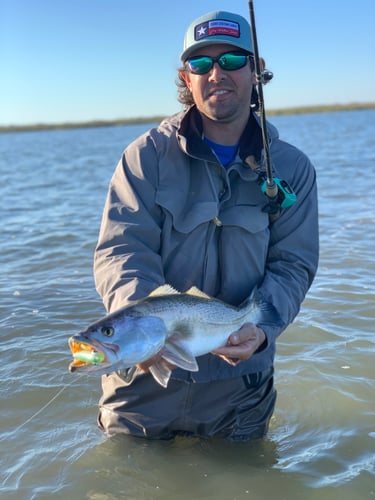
point(157, 118)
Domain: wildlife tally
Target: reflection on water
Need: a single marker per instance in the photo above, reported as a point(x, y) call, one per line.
point(321, 443)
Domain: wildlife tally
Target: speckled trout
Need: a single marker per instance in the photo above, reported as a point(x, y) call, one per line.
point(182, 326)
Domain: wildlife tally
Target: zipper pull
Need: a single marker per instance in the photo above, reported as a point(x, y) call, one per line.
point(217, 222)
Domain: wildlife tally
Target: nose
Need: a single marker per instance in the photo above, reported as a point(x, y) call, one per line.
point(216, 72)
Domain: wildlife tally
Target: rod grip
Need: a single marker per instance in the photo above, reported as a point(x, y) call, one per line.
point(272, 190)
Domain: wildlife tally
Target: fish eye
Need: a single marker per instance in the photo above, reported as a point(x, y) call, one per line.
point(108, 331)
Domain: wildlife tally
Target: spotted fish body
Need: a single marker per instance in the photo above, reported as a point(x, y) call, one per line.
point(182, 326)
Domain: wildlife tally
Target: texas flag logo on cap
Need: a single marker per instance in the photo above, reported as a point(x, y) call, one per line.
point(216, 27)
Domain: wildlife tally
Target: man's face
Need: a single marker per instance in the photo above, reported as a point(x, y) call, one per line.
point(221, 95)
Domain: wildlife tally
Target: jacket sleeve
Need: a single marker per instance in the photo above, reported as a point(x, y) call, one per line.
point(127, 263)
point(294, 246)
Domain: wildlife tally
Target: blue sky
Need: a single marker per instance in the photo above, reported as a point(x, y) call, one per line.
point(78, 60)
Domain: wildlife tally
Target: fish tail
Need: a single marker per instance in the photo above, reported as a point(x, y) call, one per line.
point(268, 314)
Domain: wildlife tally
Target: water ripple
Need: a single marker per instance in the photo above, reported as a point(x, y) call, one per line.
point(322, 438)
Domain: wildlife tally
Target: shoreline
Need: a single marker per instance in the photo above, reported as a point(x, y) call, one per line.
point(156, 119)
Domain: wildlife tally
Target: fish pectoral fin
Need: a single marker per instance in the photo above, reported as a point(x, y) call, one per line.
point(161, 372)
point(178, 355)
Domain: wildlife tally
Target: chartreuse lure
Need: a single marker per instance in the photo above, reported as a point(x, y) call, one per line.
point(93, 357)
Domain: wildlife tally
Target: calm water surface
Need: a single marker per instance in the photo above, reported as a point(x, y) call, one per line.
point(322, 439)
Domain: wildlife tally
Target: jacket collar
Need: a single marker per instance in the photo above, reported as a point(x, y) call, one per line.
point(190, 136)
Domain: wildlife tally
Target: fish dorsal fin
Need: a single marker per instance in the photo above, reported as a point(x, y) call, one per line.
point(197, 293)
point(164, 290)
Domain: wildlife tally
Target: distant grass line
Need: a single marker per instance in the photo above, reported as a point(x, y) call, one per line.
point(157, 119)
point(322, 108)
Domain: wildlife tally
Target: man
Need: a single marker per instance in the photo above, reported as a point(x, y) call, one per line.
point(185, 207)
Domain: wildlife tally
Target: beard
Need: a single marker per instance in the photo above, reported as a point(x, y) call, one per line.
point(224, 112)
point(224, 103)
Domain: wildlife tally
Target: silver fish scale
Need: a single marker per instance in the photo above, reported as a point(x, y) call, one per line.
point(190, 308)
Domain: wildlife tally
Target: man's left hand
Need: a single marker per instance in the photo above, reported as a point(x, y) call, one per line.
point(241, 344)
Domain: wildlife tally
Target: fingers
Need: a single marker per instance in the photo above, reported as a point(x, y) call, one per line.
point(145, 365)
point(242, 344)
point(248, 332)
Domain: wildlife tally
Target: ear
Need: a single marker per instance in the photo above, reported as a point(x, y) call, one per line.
point(253, 77)
point(262, 64)
point(184, 75)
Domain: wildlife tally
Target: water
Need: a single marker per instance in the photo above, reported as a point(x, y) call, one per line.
point(321, 443)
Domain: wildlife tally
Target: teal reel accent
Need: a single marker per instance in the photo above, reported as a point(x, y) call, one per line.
point(286, 195)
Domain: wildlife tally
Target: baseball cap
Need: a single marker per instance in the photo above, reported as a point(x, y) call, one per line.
point(217, 27)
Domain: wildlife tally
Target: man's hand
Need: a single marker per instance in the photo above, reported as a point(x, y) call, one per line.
point(242, 344)
point(145, 366)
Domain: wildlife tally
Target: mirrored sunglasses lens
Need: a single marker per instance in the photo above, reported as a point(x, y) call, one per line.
point(232, 62)
point(200, 65)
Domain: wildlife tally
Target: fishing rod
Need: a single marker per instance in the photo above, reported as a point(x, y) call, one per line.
point(278, 191)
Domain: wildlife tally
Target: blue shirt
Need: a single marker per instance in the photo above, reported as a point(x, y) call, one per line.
point(225, 153)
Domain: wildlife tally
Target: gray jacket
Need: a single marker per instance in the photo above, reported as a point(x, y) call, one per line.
point(175, 215)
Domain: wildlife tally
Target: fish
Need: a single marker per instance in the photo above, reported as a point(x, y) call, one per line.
point(180, 325)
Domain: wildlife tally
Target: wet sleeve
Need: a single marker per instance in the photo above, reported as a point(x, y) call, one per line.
point(127, 263)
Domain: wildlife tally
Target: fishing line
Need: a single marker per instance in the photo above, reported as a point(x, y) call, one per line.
point(49, 402)
point(278, 191)
point(38, 413)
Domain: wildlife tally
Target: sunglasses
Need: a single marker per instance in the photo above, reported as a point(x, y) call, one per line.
point(229, 61)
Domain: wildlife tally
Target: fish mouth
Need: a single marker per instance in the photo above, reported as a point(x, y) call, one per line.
point(84, 354)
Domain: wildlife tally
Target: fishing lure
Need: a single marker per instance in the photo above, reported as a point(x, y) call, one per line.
point(93, 357)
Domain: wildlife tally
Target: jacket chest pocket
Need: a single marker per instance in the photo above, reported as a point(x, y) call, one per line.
point(248, 217)
point(186, 219)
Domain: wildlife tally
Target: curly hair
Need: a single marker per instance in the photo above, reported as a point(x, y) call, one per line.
point(185, 97)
